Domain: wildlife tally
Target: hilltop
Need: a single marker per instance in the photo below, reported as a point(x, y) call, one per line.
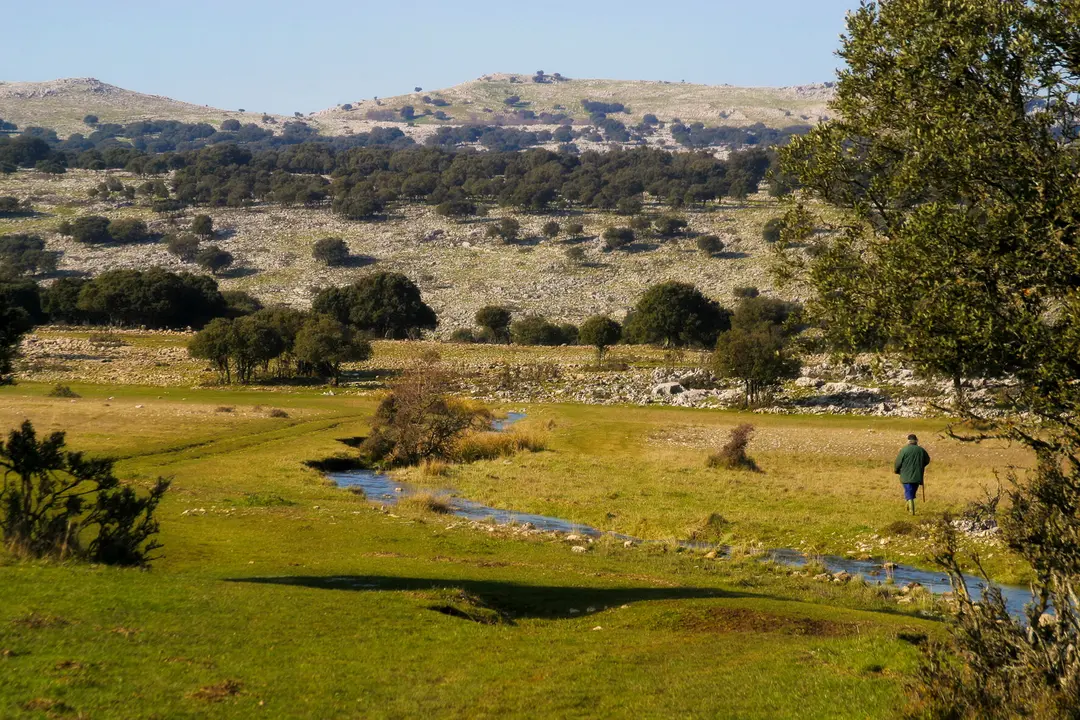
point(62, 105)
point(483, 100)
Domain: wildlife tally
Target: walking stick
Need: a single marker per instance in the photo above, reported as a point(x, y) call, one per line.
point(924, 492)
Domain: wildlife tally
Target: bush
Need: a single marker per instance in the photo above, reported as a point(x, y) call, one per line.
point(746, 292)
point(601, 332)
point(496, 320)
point(87, 229)
point(617, 237)
point(710, 244)
point(128, 230)
point(506, 229)
point(733, 455)
point(385, 305)
point(90, 120)
point(214, 259)
point(419, 420)
point(25, 255)
point(550, 229)
point(575, 254)
point(203, 226)
point(575, 229)
point(536, 330)
point(331, 251)
point(58, 504)
point(773, 229)
point(463, 335)
point(491, 445)
point(277, 413)
point(640, 223)
point(455, 208)
point(185, 247)
point(63, 391)
point(629, 205)
point(676, 314)
point(668, 226)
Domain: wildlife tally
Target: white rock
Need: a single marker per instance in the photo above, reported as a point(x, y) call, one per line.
point(579, 549)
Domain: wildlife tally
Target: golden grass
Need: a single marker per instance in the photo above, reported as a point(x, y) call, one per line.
point(490, 445)
point(425, 504)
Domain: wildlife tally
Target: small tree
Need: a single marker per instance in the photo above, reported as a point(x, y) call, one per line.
point(185, 246)
point(214, 259)
point(408, 112)
point(90, 120)
point(755, 350)
point(455, 208)
point(669, 226)
point(203, 226)
point(496, 320)
point(87, 229)
point(773, 230)
point(506, 229)
point(710, 244)
point(676, 314)
point(575, 229)
point(215, 343)
point(128, 230)
point(617, 237)
point(323, 344)
point(57, 503)
point(331, 251)
point(550, 229)
point(601, 332)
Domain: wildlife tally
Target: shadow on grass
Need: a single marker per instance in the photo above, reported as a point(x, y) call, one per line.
point(512, 599)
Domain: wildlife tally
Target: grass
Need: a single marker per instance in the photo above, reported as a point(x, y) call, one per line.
point(277, 593)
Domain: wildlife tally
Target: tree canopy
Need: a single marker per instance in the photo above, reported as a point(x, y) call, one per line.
point(384, 304)
point(676, 314)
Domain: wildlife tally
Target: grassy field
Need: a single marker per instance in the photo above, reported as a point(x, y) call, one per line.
point(279, 594)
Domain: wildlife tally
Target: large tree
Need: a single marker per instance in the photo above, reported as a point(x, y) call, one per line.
point(676, 314)
point(955, 155)
point(385, 305)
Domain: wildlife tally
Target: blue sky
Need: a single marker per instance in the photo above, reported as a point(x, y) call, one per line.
point(286, 56)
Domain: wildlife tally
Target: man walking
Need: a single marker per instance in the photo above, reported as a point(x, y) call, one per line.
point(910, 464)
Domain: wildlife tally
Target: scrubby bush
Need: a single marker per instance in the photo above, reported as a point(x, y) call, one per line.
point(773, 229)
point(203, 226)
point(455, 208)
point(641, 223)
point(214, 259)
point(732, 456)
point(550, 229)
point(755, 348)
point(87, 229)
point(185, 247)
point(617, 237)
point(536, 330)
point(63, 391)
point(330, 251)
point(710, 244)
point(575, 254)
point(128, 230)
point(25, 255)
point(463, 335)
point(474, 446)
point(230, 125)
point(507, 229)
point(669, 226)
point(629, 205)
point(496, 321)
point(58, 504)
point(420, 420)
point(575, 229)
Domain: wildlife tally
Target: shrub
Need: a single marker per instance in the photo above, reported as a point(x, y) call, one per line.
point(496, 320)
point(668, 226)
point(25, 255)
point(331, 251)
point(277, 413)
point(617, 237)
point(676, 314)
point(536, 330)
point(455, 208)
point(463, 335)
point(550, 229)
point(601, 332)
point(629, 205)
point(773, 229)
point(63, 391)
point(202, 225)
point(87, 229)
point(506, 229)
point(575, 229)
point(732, 456)
point(214, 259)
point(575, 254)
point(419, 420)
point(56, 503)
point(185, 247)
point(90, 120)
point(128, 230)
point(746, 292)
point(710, 244)
point(426, 503)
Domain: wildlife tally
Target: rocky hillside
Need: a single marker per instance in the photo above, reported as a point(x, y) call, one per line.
point(483, 100)
point(62, 105)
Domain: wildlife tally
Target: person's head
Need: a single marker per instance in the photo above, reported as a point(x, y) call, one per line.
point(912, 440)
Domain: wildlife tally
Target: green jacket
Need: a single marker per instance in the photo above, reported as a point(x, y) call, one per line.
point(910, 464)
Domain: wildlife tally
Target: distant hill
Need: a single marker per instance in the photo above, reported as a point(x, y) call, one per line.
point(483, 100)
point(62, 105)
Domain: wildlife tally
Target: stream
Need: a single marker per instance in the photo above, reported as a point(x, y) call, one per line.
point(382, 489)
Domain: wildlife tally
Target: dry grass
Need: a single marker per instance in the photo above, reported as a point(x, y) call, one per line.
point(475, 446)
point(426, 504)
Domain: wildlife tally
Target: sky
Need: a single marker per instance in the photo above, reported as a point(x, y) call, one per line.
point(281, 57)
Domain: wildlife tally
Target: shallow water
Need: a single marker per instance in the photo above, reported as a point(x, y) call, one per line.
point(380, 488)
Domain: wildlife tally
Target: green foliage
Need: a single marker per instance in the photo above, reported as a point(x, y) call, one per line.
point(14, 323)
point(88, 229)
point(550, 229)
point(773, 230)
point(755, 349)
point(629, 205)
point(185, 247)
point(214, 259)
point(203, 226)
point(25, 255)
point(128, 230)
point(496, 321)
point(456, 208)
point(323, 344)
point(676, 314)
point(56, 503)
point(709, 244)
point(601, 332)
point(537, 330)
point(575, 229)
point(956, 128)
point(669, 226)
point(617, 237)
point(331, 251)
point(154, 298)
point(382, 305)
point(507, 230)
